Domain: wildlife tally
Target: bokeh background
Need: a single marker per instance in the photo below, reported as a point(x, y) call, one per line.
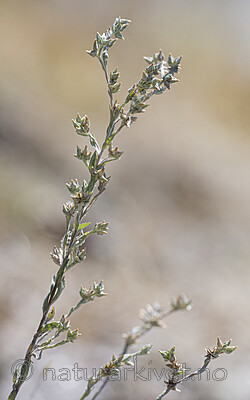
point(178, 202)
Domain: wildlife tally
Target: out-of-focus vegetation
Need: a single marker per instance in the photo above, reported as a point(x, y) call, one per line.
point(183, 221)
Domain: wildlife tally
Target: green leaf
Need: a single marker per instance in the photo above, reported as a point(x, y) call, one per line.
point(60, 288)
point(92, 162)
point(82, 226)
point(94, 142)
point(15, 376)
point(49, 327)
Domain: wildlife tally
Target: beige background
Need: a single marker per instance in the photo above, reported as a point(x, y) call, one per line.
point(178, 203)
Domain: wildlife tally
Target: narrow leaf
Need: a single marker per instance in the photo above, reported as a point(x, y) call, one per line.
point(82, 226)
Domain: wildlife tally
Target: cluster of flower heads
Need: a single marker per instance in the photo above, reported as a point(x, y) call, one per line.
point(153, 315)
point(158, 76)
point(176, 373)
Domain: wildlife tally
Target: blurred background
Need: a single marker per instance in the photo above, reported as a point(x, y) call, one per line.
point(178, 202)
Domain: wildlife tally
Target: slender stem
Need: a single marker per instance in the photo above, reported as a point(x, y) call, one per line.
point(170, 387)
point(111, 102)
point(90, 204)
point(79, 215)
point(104, 383)
point(109, 91)
point(199, 371)
point(107, 80)
point(126, 346)
point(27, 359)
point(106, 380)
